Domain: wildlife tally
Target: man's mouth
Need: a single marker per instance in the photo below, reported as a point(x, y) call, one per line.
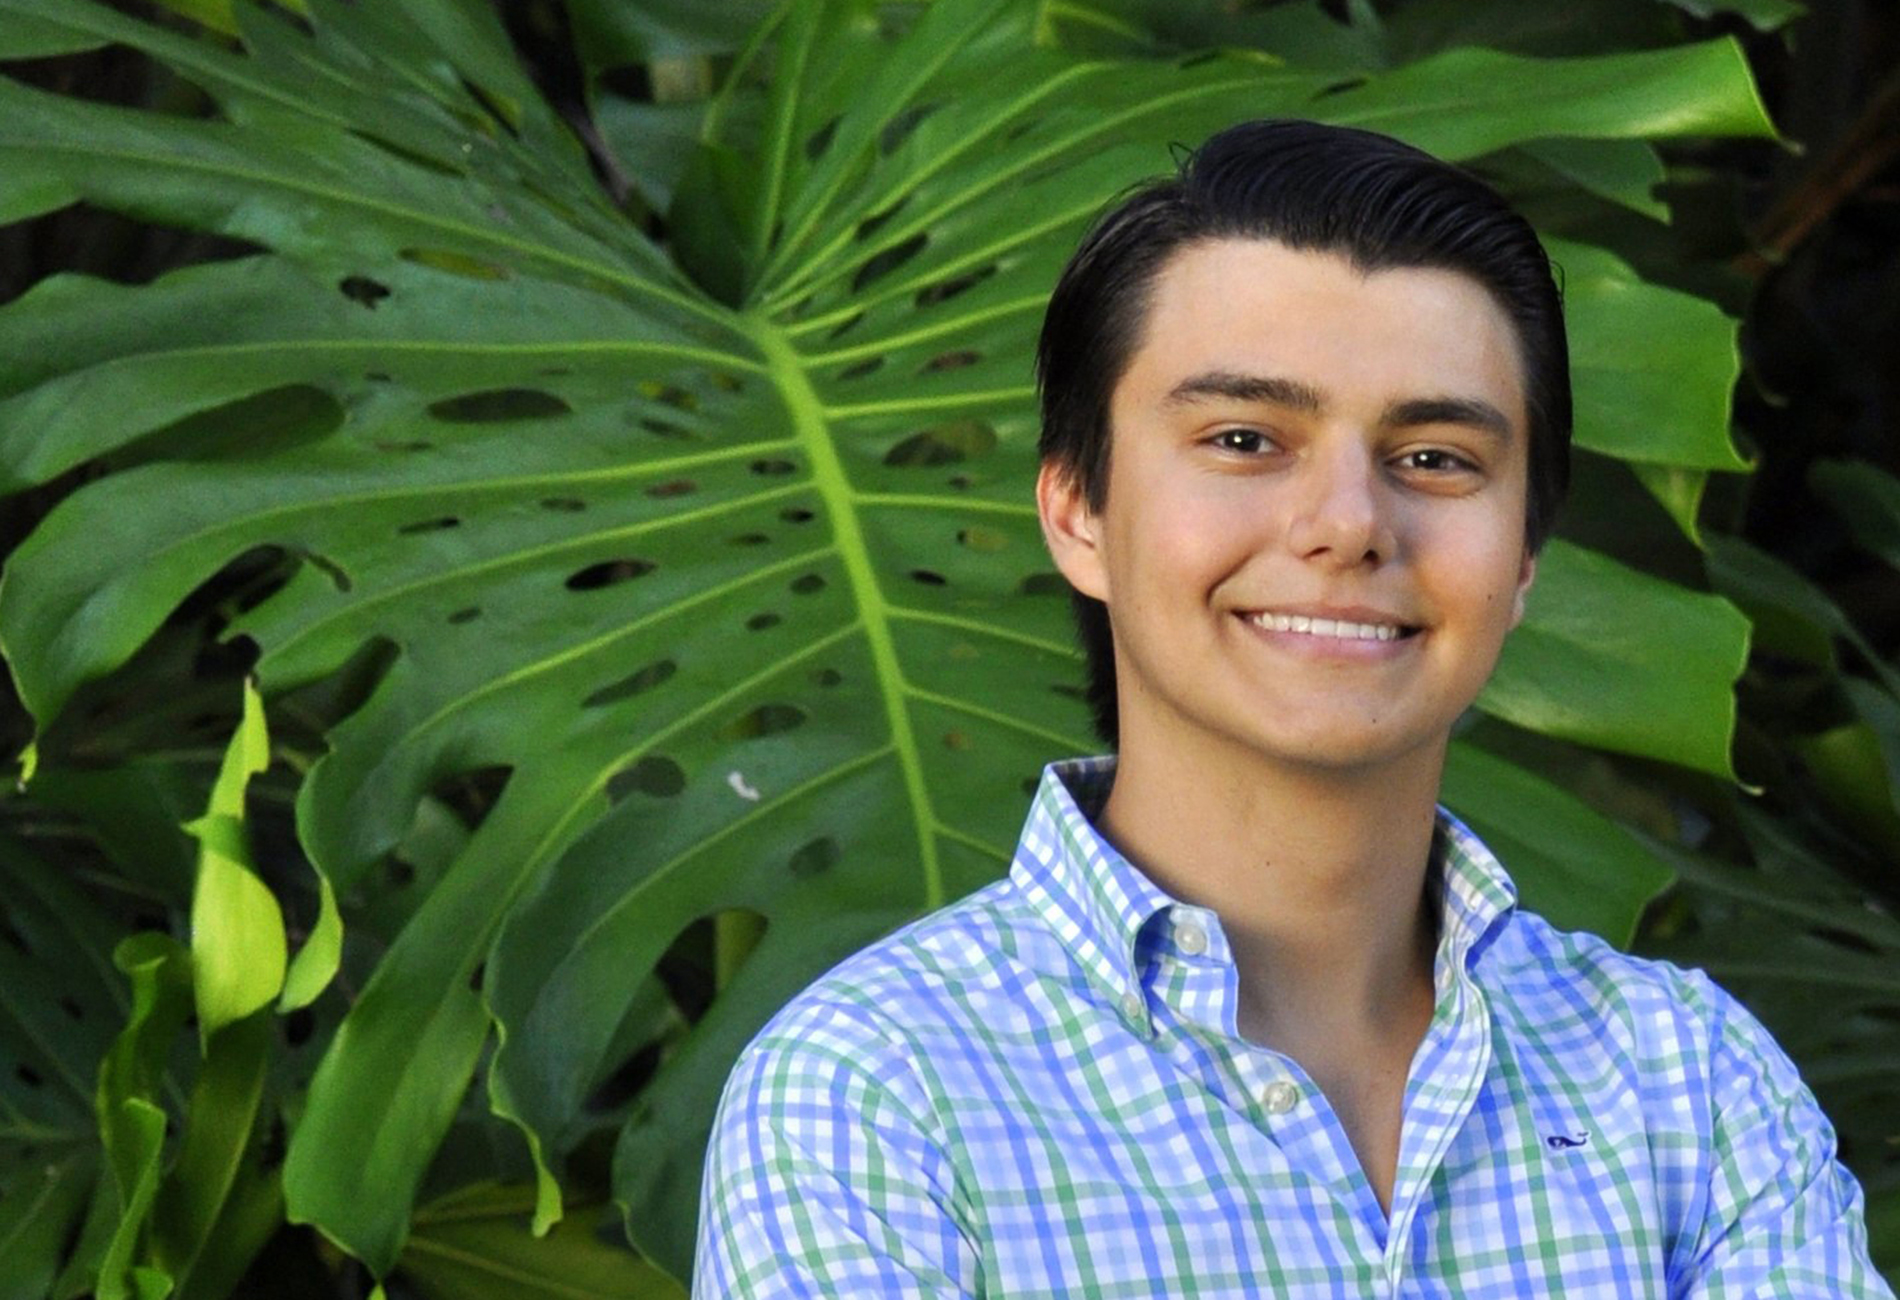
point(1337, 628)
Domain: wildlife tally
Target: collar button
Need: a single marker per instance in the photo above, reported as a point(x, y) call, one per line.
point(1190, 939)
point(1279, 1097)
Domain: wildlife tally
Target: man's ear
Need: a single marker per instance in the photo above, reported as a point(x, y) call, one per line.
point(1525, 575)
point(1071, 530)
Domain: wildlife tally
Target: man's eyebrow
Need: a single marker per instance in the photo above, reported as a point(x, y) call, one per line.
point(1471, 412)
point(1246, 388)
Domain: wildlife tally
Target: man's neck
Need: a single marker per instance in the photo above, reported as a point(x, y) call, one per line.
point(1318, 877)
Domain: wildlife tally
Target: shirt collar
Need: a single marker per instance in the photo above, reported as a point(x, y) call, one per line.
point(1097, 902)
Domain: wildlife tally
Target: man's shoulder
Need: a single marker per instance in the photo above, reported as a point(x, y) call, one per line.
point(1573, 984)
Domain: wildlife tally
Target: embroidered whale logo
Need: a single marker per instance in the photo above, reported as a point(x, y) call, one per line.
point(1563, 1141)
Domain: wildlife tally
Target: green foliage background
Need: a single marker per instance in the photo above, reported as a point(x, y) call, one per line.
point(605, 440)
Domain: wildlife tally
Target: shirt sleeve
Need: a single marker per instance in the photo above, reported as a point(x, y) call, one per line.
point(824, 1178)
point(1784, 1218)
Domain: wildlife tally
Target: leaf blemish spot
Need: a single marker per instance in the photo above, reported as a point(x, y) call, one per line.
point(608, 573)
point(807, 583)
point(772, 468)
point(429, 526)
point(796, 515)
point(929, 577)
point(678, 487)
point(751, 539)
point(566, 505)
point(466, 614)
point(951, 361)
point(760, 622)
point(814, 857)
point(859, 369)
point(827, 677)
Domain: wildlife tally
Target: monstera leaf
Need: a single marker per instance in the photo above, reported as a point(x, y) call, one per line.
point(709, 558)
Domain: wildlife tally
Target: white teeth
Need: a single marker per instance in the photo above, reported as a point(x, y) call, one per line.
point(1338, 628)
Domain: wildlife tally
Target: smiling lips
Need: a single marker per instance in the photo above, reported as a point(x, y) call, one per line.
point(1336, 628)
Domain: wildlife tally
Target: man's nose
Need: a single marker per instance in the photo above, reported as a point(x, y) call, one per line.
point(1340, 514)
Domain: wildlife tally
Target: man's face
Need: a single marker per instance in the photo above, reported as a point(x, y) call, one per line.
point(1313, 540)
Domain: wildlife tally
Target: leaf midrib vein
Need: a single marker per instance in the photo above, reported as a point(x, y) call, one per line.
point(808, 417)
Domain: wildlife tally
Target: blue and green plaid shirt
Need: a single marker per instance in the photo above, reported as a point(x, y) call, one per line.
point(1040, 1092)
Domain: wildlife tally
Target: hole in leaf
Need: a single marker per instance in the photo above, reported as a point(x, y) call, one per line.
point(771, 468)
point(766, 720)
point(429, 525)
point(678, 487)
point(899, 128)
point(814, 857)
point(626, 1081)
point(796, 515)
point(608, 573)
point(876, 221)
point(641, 679)
point(760, 622)
point(820, 140)
point(751, 539)
point(806, 584)
point(882, 264)
point(466, 614)
point(497, 404)
point(655, 775)
point(944, 290)
point(859, 369)
point(442, 259)
point(330, 569)
point(1044, 584)
point(949, 443)
point(362, 289)
point(929, 577)
point(261, 424)
point(472, 795)
point(951, 361)
point(985, 540)
point(827, 677)
point(565, 505)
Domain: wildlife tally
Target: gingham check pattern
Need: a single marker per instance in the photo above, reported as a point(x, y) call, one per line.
point(1040, 1092)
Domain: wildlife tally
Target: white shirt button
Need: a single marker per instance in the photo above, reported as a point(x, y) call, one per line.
point(1279, 1097)
point(1133, 1007)
point(1190, 939)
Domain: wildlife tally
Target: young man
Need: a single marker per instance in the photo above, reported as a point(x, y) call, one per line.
point(1250, 1016)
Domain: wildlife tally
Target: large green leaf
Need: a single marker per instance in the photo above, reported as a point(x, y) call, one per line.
point(718, 560)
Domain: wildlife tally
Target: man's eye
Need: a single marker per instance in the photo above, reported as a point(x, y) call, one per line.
point(1434, 460)
point(1241, 440)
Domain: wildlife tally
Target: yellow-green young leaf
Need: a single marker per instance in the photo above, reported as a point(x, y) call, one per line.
point(237, 929)
point(137, 1169)
point(476, 1244)
point(315, 962)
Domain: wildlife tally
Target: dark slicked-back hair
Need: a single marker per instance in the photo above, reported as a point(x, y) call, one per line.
point(1368, 198)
